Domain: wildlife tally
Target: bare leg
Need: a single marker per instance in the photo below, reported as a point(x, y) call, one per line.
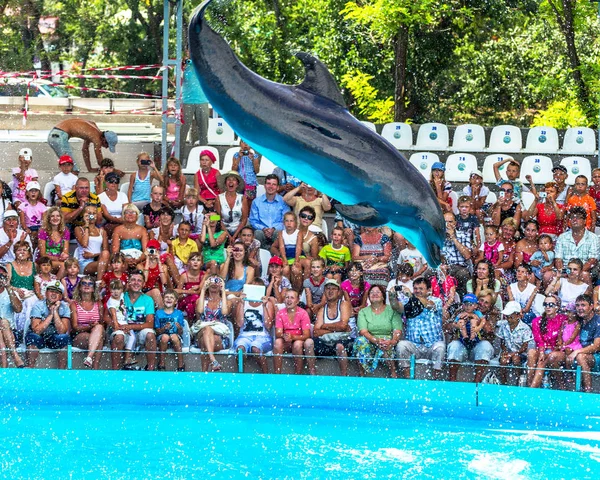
point(103, 263)
point(117, 344)
point(277, 352)
point(297, 351)
point(95, 344)
point(309, 351)
point(151, 351)
point(3, 359)
point(61, 357)
point(176, 342)
point(163, 345)
point(480, 370)
point(533, 356)
point(453, 371)
point(342, 359)
point(9, 342)
point(261, 360)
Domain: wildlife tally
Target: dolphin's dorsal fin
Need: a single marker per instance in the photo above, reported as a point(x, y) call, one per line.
point(361, 214)
point(319, 80)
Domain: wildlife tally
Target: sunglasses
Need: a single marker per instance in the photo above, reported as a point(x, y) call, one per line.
point(112, 180)
point(507, 190)
point(307, 216)
point(87, 284)
point(549, 305)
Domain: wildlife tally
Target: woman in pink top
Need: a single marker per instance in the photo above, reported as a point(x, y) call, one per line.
point(546, 330)
point(205, 180)
point(292, 334)
point(87, 321)
point(173, 181)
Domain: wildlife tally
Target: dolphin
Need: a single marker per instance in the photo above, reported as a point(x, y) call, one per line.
point(308, 131)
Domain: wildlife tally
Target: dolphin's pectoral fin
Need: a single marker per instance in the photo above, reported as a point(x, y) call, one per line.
point(319, 80)
point(361, 214)
point(321, 130)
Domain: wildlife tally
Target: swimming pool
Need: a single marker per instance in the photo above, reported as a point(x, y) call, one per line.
point(59, 424)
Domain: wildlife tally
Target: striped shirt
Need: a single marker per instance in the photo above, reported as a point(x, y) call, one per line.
point(87, 317)
point(335, 256)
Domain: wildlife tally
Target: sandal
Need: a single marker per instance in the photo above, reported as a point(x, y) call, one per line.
point(87, 362)
point(215, 366)
point(160, 367)
point(181, 369)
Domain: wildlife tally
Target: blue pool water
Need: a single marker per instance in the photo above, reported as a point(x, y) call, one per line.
point(104, 425)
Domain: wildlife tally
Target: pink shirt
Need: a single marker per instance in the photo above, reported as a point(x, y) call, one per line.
point(208, 184)
point(33, 214)
point(19, 187)
point(354, 293)
point(173, 189)
point(301, 321)
point(548, 339)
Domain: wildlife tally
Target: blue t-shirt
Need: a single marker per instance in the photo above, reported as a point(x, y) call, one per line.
point(40, 310)
point(142, 307)
point(590, 331)
point(162, 318)
point(191, 91)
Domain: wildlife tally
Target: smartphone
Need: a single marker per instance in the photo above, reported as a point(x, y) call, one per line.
point(501, 194)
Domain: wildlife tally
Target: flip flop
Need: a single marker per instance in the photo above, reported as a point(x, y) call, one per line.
point(215, 366)
point(88, 362)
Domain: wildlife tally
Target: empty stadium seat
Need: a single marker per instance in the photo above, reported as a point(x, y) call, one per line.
point(193, 161)
point(228, 160)
point(488, 168)
point(369, 125)
point(454, 196)
point(48, 193)
point(220, 133)
point(432, 136)
point(528, 198)
point(459, 167)
point(266, 167)
point(423, 161)
point(468, 138)
point(542, 140)
point(398, 134)
point(124, 187)
point(577, 166)
point(491, 198)
point(579, 140)
point(539, 167)
point(505, 138)
point(265, 256)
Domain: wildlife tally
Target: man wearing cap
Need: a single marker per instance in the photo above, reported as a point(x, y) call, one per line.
point(266, 213)
point(457, 353)
point(10, 233)
point(10, 304)
point(516, 338)
point(65, 180)
point(332, 332)
point(424, 334)
point(73, 204)
point(59, 136)
point(560, 174)
point(49, 327)
point(140, 321)
point(579, 243)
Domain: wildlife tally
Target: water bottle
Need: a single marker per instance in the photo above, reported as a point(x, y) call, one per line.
point(546, 382)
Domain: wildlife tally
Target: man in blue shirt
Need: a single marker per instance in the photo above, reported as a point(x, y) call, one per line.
point(139, 310)
point(588, 357)
point(49, 327)
point(266, 213)
point(424, 335)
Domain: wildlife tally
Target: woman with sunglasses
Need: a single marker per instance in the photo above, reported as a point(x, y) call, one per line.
point(112, 202)
point(308, 197)
point(87, 321)
point(507, 206)
point(231, 205)
point(307, 244)
point(236, 270)
point(568, 284)
point(546, 330)
point(212, 329)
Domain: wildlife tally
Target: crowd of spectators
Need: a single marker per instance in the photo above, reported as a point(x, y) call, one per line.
point(170, 265)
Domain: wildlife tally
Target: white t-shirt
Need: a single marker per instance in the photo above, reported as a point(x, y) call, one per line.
point(392, 285)
point(413, 257)
point(119, 306)
point(66, 182)
point(10, 255)
point(114, 208)
point(483, 192)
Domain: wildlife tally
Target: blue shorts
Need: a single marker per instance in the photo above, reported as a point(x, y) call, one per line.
point(262, 342)
point(56, 341)
point(59, 142)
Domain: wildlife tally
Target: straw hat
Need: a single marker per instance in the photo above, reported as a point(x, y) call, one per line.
point(223, 178)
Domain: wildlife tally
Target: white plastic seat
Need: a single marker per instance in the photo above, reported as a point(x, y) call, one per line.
point(48, 193)
point(266, 167)
point(193, 161)
point(468, 138)
point(459, 167)
point(220, 133)
point(542, 140)
point(423, 161)
point(369, 125)
point(577, 166)
point(454, 196)
point(124, 187)
point(488, 168)
point(265, 256)
point(325, 229)
point(398, 134)
point(528, 198)
point(260, 190)
point(579, 140)
point(539, 167)
point(491, 198)
point(228, 160)
point(505, 138)
point(432, 136)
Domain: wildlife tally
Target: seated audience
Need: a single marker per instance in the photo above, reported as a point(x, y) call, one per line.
point(266, 213)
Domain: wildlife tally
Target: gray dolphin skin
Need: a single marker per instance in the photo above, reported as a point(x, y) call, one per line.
point(307, 131)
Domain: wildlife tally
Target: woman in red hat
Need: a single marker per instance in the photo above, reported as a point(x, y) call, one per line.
point(206, 180)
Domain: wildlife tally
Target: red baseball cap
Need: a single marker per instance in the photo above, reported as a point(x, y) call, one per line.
point(65, 159)
point(276, 261)
point(153, 244)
